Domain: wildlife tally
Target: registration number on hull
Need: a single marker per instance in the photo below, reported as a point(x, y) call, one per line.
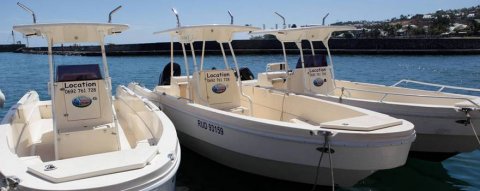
point(210, 127)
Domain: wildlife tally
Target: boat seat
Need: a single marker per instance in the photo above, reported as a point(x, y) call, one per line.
point(276, 74)
point(467, 104)
point(94, 165)
point(362, 123)
point(178, 86)
point(277, 66)
point(182, 86)
point(101, 139)
point(39, 128)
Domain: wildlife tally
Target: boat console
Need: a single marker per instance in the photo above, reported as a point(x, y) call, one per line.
point(318, 78)
point(83, 112)
point(217, 88)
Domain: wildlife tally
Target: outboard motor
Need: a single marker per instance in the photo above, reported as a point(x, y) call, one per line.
point(165, 76)
point(246, 74)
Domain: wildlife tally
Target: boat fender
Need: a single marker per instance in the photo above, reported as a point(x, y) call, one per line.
point(165, 75)
point(2, 99)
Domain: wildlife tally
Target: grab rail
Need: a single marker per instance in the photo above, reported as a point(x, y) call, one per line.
point(442, 87)
point(386, 94)
point(127, 90)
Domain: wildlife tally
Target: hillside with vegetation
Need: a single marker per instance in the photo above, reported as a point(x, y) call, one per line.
point(443, 23)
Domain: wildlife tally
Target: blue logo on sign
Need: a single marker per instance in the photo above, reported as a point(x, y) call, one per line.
point(318, 82)
point(219, 88)
point(81, 101)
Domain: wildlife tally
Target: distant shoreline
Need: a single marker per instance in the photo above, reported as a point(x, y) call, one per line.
point(402, 46)
point(11, 47)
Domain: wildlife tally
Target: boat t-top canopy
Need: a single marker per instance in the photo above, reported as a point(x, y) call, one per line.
point(56, 33)
point(311, 34)
point(314, 33)
point(202, 33)
point(211, 32)
point(71, 32)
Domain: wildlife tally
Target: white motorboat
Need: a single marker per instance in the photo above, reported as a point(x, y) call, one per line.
point(2, 99)
point(84, 139)
point(268, 132)
point(444, 122)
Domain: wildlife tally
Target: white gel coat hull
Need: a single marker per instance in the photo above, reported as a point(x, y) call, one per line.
point(292, 158)
point(437, 128)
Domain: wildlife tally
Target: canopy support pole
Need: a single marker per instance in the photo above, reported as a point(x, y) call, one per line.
point(285, 56)
point(299, 44)
point(239, 78)
point(188, 71)
point(224, 56)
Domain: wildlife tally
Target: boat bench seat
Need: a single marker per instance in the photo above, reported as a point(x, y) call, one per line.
point(276, 79)
point(274, 75)
point(178, 86)
point(94, 165)
point(362, 123)
point(39, 128)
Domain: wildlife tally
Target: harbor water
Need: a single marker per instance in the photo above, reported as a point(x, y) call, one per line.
point(22, 72)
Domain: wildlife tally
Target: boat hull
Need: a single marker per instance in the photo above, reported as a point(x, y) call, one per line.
point(272, 168)
point(159, 174)
point(163, 183)
point(274, 155)
point(438, 128)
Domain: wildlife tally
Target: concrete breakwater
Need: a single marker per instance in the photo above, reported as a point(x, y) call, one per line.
point(11, 47)
point(337, 46)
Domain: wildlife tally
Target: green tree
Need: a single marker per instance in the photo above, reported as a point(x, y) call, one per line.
point(440, 25)
point(264, 37)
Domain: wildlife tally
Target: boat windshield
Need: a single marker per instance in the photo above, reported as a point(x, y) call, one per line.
point(312, 61)
point(66, 73)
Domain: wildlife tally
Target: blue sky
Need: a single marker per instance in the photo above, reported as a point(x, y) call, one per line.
point(148, 16)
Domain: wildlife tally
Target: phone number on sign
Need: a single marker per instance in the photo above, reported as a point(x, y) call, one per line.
point(210, 127)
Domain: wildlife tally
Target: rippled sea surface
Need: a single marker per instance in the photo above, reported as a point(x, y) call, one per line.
point(22, 72)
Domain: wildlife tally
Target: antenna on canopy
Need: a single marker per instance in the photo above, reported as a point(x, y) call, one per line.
point(28, 10)
point(111, 13)
point(176, 15)
point(323, 20)
point(283, 18)
point(231, 17)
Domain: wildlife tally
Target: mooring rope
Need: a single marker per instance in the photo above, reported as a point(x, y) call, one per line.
point(469, 120)
point(331, 166)
point(475, 132)
point(326, 135)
